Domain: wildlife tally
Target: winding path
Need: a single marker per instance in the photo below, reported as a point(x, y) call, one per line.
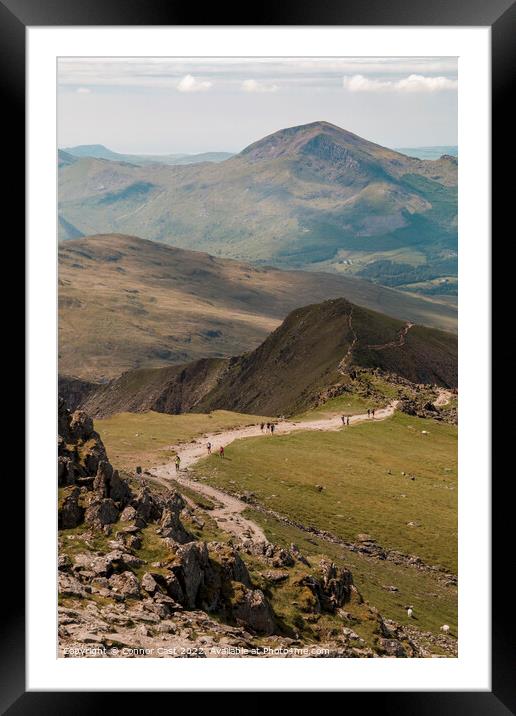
point(228, 509)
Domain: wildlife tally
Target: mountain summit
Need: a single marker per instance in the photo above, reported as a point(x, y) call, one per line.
point(312, 196)
point(320, 139)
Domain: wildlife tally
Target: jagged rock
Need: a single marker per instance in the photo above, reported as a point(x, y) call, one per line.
point(191, 560)
point(81, 425)
point(101, 512)
point(70, 586)
point(105, 565)
point(278, 557)
point(148, 507)
point(329, 591)
point(275, 577)
point(128, 514)
point(119, 489)
point(252, 610)
point(65, 471)
point(171, 525)
point(71, 513)
point(391, 647)
point(108, 484)
point(64, 563)
point(296, 554)
point(101, 484)
point(336, 584)
point(125, 584)
point(233, 568)
point(149, 583)
point(174, 588)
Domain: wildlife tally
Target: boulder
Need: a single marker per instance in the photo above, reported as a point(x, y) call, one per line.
point(391, 647)
point(64, 563)
point(148, 507)
point(70, 586)
point(125, 584)
point(105, 565)
point(172, 527)
point(101, 512)
point(277, 556)
point(174, 589)
point(128, 514)
point(65, 471)
point(336, 583)
point(71, 513)
point(102, 482)
point(149, 584)
point(252, 610)
point(232, 566)
point(119, 489)
point(191, 562)
point(81, 425)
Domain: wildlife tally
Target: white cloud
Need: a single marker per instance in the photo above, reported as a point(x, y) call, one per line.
point(190, 84)
point(412, 83)
point(83, 90)
point(255, 86)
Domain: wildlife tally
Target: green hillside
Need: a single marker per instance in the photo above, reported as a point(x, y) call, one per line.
point(314, 196)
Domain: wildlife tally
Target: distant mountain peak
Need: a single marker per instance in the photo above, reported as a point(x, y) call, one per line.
point(321, 139)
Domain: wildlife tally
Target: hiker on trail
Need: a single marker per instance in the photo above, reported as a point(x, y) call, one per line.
point(221, 451)
point(209, 448)
point(343, 419)
point(368, 413)
point(262, 425)
point(178, 462)
point(268, 427)
point(347, 420)
point(272, 428)
point(373, 413)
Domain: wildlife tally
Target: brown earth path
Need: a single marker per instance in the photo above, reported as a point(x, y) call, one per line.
point(228, 509)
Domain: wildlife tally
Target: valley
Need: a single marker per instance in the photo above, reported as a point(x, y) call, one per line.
point(314, 196)
point(258, 401)
point(126, 303)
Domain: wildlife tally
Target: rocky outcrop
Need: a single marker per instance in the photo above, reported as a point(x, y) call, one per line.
point(70, 513)
point(251, 609)
point(328, 590)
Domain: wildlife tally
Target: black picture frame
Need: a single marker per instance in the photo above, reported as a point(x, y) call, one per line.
point(500, 15)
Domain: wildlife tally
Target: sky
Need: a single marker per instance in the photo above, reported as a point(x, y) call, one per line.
point(191, 105)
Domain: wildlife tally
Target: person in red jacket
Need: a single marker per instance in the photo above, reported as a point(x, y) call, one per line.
point(221, 451)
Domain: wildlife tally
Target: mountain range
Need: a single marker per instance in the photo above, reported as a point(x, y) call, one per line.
point(126, 302)
point(99, 151)
point(314, 196)
point(315, 349)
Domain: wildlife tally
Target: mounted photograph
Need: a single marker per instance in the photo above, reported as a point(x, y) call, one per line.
point(257, 353)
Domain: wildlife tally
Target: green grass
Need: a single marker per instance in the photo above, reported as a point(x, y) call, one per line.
point(346, 404)
point(145, 439)
point(434, 603)
point(363, 488)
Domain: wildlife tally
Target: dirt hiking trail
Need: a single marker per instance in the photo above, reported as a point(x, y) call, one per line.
point(228, 509)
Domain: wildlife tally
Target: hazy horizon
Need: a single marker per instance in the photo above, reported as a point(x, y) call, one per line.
point(190, 106)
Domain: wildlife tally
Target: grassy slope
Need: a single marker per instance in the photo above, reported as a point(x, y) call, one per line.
point(145, 438)
point(434, 603)
point(356, 475)
point(359, 494)
point(304, 206)
point(125, 303)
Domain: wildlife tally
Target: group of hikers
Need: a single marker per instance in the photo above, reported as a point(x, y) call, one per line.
point(345, 418)
point(269, 427)
point(220, 451)
point(209, 447)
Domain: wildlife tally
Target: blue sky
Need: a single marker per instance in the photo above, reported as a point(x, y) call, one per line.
point(188, 105)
